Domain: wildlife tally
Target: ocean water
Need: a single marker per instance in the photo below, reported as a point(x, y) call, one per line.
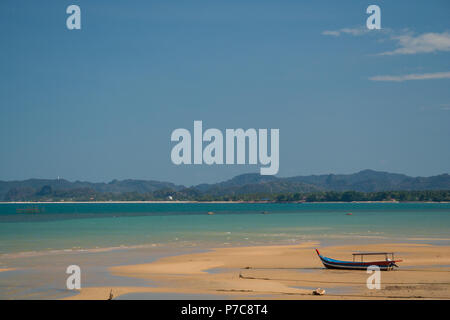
point(95, 227)
point(36, 247)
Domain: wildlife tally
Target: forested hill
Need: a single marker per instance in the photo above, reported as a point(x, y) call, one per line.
point(13, 190)
point(253, 183)
point(363, 181)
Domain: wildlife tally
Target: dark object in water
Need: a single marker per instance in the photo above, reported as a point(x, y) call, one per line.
point(29, 210)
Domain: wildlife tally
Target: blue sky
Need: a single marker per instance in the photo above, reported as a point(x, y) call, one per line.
point(100, 103)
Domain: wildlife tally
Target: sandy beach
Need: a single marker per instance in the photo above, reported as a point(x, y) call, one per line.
point(287, 272)
point(178, 251)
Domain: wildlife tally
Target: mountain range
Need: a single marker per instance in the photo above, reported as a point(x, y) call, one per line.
point(364, 181)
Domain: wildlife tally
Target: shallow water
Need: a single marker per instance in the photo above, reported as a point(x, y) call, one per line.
point(40, 246)
point(96, 227)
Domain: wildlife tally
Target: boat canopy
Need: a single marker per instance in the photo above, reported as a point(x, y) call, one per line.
point(371, 253)
point(362, 254)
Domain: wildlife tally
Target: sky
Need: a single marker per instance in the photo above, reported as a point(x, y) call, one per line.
point(100, 103)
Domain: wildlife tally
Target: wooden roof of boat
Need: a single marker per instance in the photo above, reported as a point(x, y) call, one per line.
point(370, 253)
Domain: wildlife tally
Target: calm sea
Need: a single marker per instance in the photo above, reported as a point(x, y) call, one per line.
point(91, 226)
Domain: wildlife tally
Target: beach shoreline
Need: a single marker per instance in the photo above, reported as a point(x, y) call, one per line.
point(284, 272)
point(122, 248)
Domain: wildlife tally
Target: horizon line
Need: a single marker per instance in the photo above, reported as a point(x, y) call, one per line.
point(274, 177)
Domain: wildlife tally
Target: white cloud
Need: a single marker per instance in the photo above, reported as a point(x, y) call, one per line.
point(407, 77)
point(442, 107)
point(407, 42)
point(423, 43)
point(352, 31)
point(331, 33)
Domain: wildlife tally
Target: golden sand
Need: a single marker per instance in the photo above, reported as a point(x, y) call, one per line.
point(288, 272)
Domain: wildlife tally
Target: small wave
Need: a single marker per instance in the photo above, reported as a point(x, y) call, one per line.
point(25, 254)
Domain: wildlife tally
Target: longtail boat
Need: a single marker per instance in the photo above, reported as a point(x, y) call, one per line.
point(388, 264)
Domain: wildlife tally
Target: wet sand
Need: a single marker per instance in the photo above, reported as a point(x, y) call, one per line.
point(286, 272)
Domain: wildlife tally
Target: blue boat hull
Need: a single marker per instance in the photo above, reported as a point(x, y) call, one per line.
point(351, 265)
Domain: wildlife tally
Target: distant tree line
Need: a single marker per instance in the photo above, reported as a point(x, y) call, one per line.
point(46, 193)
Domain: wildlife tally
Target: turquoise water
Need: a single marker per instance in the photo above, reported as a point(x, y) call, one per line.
point(90, 226)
